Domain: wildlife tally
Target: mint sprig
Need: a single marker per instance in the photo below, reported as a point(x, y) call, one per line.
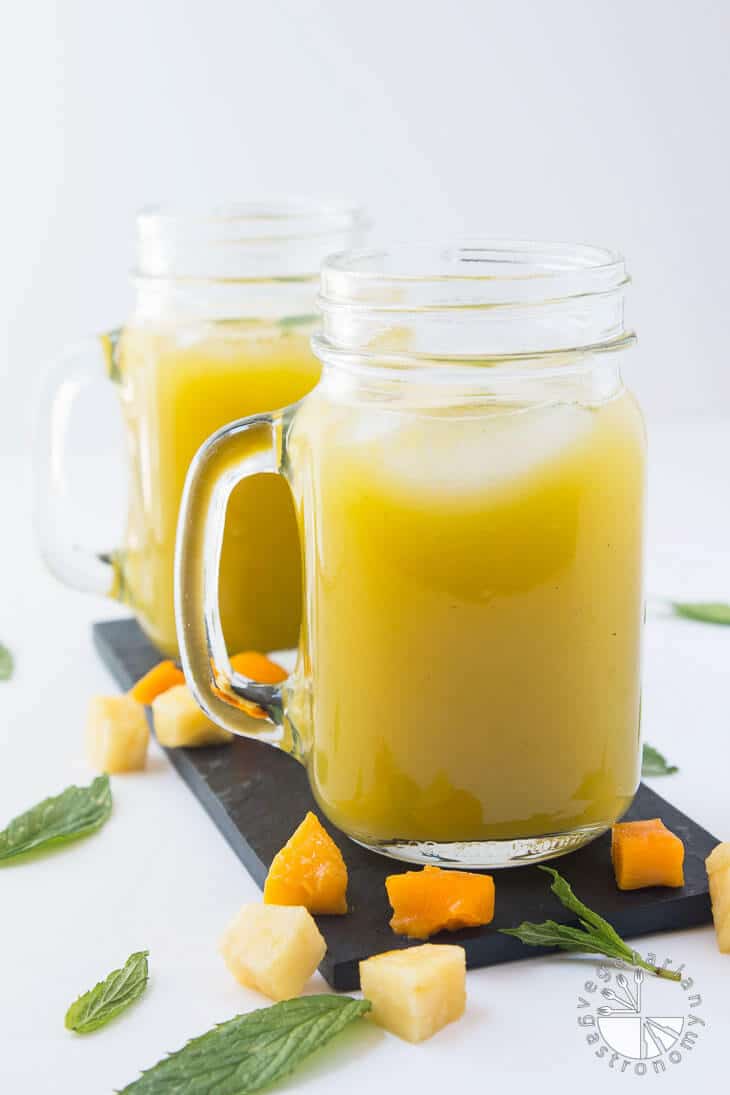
point(74, 813)
point(706, 612)
point(654, 763)
point(114, 994)
point(250, 1051)
point(6, 663)
point(595, 935)
point(292, 323)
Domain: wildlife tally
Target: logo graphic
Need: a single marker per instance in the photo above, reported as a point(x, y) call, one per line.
point(636, 1022)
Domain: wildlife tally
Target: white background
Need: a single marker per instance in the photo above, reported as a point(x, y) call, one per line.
point(566, 119)
point(601, 122)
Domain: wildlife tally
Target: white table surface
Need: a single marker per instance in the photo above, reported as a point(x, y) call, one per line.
point(159, 876)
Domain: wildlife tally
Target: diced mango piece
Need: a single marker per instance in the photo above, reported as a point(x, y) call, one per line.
point(309, 870)
point(180, 723)
point(162, 676)
point(432, 900)
point(416, 992)
point(258, 667)
point(117, 734)
point(718, 873)
point(273, 948)
point(646, 853)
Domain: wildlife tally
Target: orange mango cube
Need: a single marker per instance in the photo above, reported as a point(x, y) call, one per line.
point(646, 853)
point(159, 679)
point(432, 900)
point(258, 667)
point(309, 870)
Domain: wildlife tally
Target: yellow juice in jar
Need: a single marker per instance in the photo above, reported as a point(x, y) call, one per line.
point(474, 615)
point(179, 386)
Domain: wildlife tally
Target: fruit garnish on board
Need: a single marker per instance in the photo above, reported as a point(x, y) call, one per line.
point(594, 936)
point(718, 873)
point(433, 900)
point(117, 734)
point(646, 853)
point(309, 870)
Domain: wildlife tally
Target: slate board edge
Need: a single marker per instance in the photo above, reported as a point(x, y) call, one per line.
point(332, 971)
point(485, 948)
point(183, 765)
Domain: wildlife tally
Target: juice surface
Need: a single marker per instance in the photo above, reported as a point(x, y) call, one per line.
point(472, 631)
point(178, 387)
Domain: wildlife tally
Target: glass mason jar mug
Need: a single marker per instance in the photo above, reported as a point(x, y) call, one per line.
point(224, 311)
point(469, 484)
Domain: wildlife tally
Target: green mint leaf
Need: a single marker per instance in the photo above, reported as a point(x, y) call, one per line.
point(6, 663)
point(250, 1051)
point(112, 995)
point(290, 323)
point(595, 936)
point(74, 813)
point(653, 763)
point(110, 346)
point(590, 920)
point(550, 934)
point(717, 612)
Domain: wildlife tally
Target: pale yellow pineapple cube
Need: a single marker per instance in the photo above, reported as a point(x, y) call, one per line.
point(179, 722)
point(417, 991)
point(718, 873)
point(117, 734)
point(273, 948)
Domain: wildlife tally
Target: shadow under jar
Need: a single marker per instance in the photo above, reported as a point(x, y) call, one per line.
point(469, 483)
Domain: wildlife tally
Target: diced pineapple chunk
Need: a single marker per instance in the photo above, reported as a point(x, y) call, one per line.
point(117, 734)
point(416, 992)
point(179, 722)
point(718, 873)
point(273, 948)
point(719, 858)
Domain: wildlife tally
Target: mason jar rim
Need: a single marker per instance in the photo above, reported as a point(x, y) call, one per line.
point(249, 240)
point(475, 272)
point(476, 300)
point(279, 218)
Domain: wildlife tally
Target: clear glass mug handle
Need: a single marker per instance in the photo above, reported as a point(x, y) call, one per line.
point(81, 366)
point(247, 447)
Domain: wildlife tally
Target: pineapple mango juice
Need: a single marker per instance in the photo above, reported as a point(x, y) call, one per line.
point(177, 388)
point(473, 621)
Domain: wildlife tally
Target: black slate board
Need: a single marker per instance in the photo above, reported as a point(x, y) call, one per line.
point(257, 796)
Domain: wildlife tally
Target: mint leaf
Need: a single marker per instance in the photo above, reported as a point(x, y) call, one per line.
point(710, 612)
point(654, 764)
point(74, 813)
point(250, 1051)
point(6, 663)
point(112, 995)
point(590, 920)
point(290, 323)
point(595, 935)
point(110, 346)
point(551, 934)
